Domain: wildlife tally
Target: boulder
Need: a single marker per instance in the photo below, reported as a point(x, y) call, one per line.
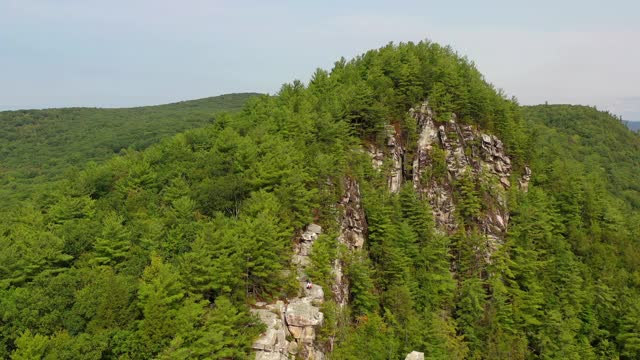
point(500, 221)
point(309, 236)
point(314, 228)
point(300, 312)
point(305, 248)
point(315, 293)
point(268, 317)
point(293, 348)
point(266, 355)
point(266, 341)
point(415, 355)
point(274, 338)
point(308, 335)
point(301, 260)
point(296, 331)
point(317, 355)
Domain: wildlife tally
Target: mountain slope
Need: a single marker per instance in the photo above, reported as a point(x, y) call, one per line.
point(38, 146)
point(428, 214)
point(597, 140)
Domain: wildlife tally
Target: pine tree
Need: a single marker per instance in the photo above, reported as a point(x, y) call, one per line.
point(264, 244)
point(197, 268)
point(112, 246)
point(417, 213)
point(467, 199)
point(361, 298)
point(160, 294)
point(227, 332)
point(470, 310)
point(106, 302)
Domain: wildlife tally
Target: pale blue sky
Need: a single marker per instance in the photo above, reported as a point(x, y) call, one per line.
point(138, 52)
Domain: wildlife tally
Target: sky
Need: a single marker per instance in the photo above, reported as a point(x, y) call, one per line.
point(121, 53)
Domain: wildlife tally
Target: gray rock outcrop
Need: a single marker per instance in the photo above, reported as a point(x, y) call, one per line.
point(353, 232)
point(395, 153)
point(414, 355)
point(461, 148)
point(297, 318)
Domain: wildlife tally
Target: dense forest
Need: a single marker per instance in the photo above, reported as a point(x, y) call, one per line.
point(162, 253)
point(38, 146)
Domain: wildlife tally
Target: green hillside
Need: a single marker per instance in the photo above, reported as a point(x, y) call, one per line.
point(38, 146)
point(447, 220)
point(600, 142)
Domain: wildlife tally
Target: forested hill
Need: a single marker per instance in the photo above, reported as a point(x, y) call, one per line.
point(598, 141)
point(429, 214)
point(37, 146)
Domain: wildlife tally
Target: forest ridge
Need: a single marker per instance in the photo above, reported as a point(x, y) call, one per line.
point(38, 146)
point(170, 249)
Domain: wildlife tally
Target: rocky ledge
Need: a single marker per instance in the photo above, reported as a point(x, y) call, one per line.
point(291, 325)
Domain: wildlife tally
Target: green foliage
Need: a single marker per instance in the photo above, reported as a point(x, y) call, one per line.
point(160, 297)
point(106, 302)
point(361, 298)
point(468, 199)
point(29, 346)
point(369, 340)
point(323, 254)
point(597, 140)
point(112, 247)
point(38, 146)
point(156, 253)
point(221, 333)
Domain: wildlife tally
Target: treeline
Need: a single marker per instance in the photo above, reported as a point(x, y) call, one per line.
point(39, 146)
point(160, 253)
point(594, 138)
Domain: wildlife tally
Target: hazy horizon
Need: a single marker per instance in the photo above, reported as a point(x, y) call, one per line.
point(123, 54)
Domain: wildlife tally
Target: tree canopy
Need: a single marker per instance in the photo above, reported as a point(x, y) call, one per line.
point(160, 251)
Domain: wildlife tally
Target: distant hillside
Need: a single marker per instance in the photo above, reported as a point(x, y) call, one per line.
point(37, 146)
point(596, 139)
point(633, 125)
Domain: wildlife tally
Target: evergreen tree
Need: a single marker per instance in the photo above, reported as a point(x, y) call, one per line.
point(161, 294)
point(112, 246)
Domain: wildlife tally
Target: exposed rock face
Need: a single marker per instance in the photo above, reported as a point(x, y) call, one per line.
point(298, 318)
point(414, 355)
point(262, 355)
point(394, 180)
point(460, 149)
point(274, 339)
point(377, 156)
point(455, 150)
point(524, 180)
point(396, 154)
point(353, 223)
point(353, 231)
point(301, 313)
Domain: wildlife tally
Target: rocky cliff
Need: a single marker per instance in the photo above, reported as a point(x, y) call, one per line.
point(292, 324)
point(465, 152)
point(456, 151)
